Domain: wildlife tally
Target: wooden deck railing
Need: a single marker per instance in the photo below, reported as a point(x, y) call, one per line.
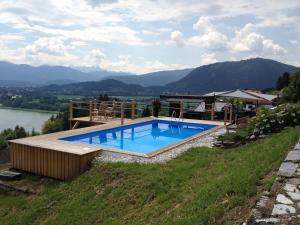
point(97, 111)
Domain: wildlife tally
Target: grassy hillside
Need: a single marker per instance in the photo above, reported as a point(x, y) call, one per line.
point(199, 187)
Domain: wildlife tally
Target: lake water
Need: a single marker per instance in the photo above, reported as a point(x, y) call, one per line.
point(9, 118)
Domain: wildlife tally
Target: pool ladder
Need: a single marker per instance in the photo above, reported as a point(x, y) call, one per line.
point(173, 116)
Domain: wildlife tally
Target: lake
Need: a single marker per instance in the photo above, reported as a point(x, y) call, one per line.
point(9, 118)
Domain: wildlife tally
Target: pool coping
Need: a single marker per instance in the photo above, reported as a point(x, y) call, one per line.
point(164, 149)
point(53, 141)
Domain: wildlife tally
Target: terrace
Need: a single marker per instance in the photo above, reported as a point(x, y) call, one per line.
point(51, 155)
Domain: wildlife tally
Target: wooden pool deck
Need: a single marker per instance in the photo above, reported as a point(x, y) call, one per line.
point(50, 156)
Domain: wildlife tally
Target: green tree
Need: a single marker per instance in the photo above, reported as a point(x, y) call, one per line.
point(291, 93)
point(283, 81)
point(51, 126)
point(56, 123)
point(20, 132)
point(3, 142)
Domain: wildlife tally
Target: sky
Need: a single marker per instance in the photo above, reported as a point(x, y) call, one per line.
point(140, 36)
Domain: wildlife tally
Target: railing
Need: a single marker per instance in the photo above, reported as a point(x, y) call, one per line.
point(102, 110)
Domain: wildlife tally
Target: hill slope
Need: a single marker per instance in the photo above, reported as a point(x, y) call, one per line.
point(154, 79)
point(254, 73)
point(41, 75)
point(109, 86)
point(18, 74)
point(199, 187)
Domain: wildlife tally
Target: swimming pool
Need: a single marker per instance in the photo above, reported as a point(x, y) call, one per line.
point(144, 137)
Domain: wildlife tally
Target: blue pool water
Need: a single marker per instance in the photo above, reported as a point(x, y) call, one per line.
point(142, 137)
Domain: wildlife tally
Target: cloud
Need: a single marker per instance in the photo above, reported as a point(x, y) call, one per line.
point(124, 63)
point(208, 58)
point(122, 27)
point(273, 49)
point(94, 58)
point(177, 37)
point(208, 38)
point(203, 25)
point(248, 39)
point(51, 46)
point(11, 37)
point(213, 40)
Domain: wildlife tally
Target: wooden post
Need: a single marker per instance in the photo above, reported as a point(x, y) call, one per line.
point(212, 117)
point(225, 115)
point(91, 110)
point(122, 113)
point(114, 108)
point(225, 118)
point(230, 114)
point(71, 114)
point(132, 109)
point(181, 110)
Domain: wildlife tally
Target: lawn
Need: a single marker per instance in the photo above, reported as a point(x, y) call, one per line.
point(199, 187)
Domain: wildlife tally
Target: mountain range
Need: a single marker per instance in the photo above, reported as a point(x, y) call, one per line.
point(25, 75)
point(153, 79)
point(255, 73)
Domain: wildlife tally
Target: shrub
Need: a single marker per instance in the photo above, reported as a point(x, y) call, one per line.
point(274, 120)
point(239, 136)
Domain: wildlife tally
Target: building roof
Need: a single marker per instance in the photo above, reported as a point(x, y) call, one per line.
point(264, 96)
point(250, 95)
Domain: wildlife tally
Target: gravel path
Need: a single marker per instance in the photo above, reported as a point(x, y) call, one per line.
point(206, 140)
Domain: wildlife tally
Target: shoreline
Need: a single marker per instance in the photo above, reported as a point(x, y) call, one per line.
point(30, 110)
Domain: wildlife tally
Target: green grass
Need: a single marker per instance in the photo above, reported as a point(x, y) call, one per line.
point(199, 187)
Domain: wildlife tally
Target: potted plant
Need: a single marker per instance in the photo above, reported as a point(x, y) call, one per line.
point(156, 107)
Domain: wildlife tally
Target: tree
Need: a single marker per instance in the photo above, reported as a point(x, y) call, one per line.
point(283, 81)
point(20, 132)
point(56, 123)
point(3, 142)
point(51, 126)
point(291, 93)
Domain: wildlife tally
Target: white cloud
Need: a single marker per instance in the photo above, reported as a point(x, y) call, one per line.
point(213, 40)
point(209, 38)
point(124, 27)
point(124, 63)
point(273, 49)
point(249, 40)
point(177, 37)
point(51, 46)
point(203, 25)
point(11, 37)
point(208, 58)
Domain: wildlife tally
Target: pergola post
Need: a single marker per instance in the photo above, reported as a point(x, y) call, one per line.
point(181, 110)
point(91, 110)
point(114, 108)
point(212, 116)
point(225, 117)
point(132, 109)
point(122, 113)
point(71, 113)
point(230, 114)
